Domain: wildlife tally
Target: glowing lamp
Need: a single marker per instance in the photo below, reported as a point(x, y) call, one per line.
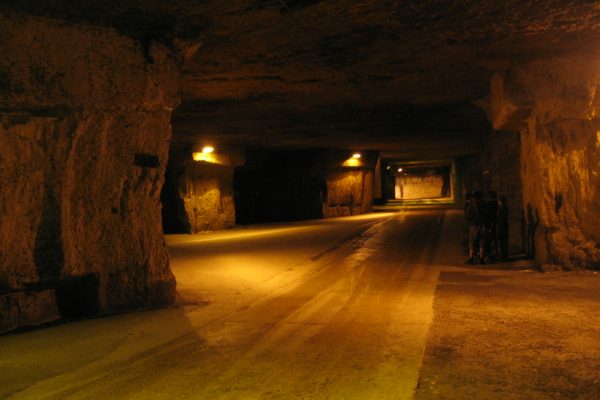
point(399, 169)
point(356, 155)
point(205, 155)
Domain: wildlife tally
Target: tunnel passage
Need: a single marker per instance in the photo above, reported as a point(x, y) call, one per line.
point(228, 186)
point(410, 182)
point(307, 184)
point(93, 95)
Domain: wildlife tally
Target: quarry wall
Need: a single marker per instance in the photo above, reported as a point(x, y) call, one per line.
point(198, 195)
point(555, 106)
point(84, 132)
point(419, 187)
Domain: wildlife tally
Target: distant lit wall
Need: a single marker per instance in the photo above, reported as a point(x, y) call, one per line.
point(207, 193)
point(348, 193)
point(419, 187)
point(198, 195)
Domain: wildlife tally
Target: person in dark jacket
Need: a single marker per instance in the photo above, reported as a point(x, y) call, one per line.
point(477, 221)
point(491, 211)
point(502, 228)
point(468, 197)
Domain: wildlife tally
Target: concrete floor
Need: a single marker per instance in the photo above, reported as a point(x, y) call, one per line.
point(330, 309)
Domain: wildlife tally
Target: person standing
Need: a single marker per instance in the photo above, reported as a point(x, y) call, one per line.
point(468, 197)
point(502, 228)
point(476, 220)
point(491, 211)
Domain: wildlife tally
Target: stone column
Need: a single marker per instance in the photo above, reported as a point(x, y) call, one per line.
point(84, 137)
point(555, 106)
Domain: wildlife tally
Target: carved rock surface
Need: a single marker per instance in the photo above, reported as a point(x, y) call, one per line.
point(84, 132)
point(348, 193)
point(208, 197)
point(558, 104)
point(419, 187)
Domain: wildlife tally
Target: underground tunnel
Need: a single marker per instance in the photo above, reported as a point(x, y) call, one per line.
point(130, 127)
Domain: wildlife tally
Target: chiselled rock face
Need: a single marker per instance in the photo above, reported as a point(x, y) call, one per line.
point(84, 133)
point(560, 153)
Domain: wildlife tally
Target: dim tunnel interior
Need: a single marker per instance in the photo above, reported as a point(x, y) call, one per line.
point(121, 122)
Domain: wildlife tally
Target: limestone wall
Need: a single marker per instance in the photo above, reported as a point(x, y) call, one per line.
point(555, 105)
point(419, 187)
point(201, 196)
point(348, 193)
point(84, 136)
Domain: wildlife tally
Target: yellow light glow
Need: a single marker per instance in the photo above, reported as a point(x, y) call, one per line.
point(399, 169)
point(206, 157)
point(356, 155)
point(273, 230)
point(352, 162)
point(208, 149)
point(388, 167)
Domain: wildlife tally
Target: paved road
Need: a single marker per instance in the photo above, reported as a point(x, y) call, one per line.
point(318, 310)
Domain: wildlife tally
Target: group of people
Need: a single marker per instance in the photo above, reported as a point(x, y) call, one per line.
point(487, 216)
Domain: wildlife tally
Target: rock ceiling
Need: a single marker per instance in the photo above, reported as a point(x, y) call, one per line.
point(401, 76)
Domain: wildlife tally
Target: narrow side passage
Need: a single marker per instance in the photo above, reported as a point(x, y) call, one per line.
point(325, 309)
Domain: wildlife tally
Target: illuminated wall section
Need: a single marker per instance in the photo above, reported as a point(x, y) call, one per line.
point(350, 188)
point(198, 193)
point(348, 193)
point(419, 187)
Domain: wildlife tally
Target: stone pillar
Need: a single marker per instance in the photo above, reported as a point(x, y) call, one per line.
point(348, 193)
point(555, 106)
point(84, 132)
point(349, 184)
point(201, 194)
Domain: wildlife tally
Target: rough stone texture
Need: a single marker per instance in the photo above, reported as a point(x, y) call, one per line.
point(419, 187)
point(399, 77)
point(348, 193)
point(208, 197)
point(556, 106)
point(27, 309)
point(197, 195)
point(84, 132)
point(394, 76)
